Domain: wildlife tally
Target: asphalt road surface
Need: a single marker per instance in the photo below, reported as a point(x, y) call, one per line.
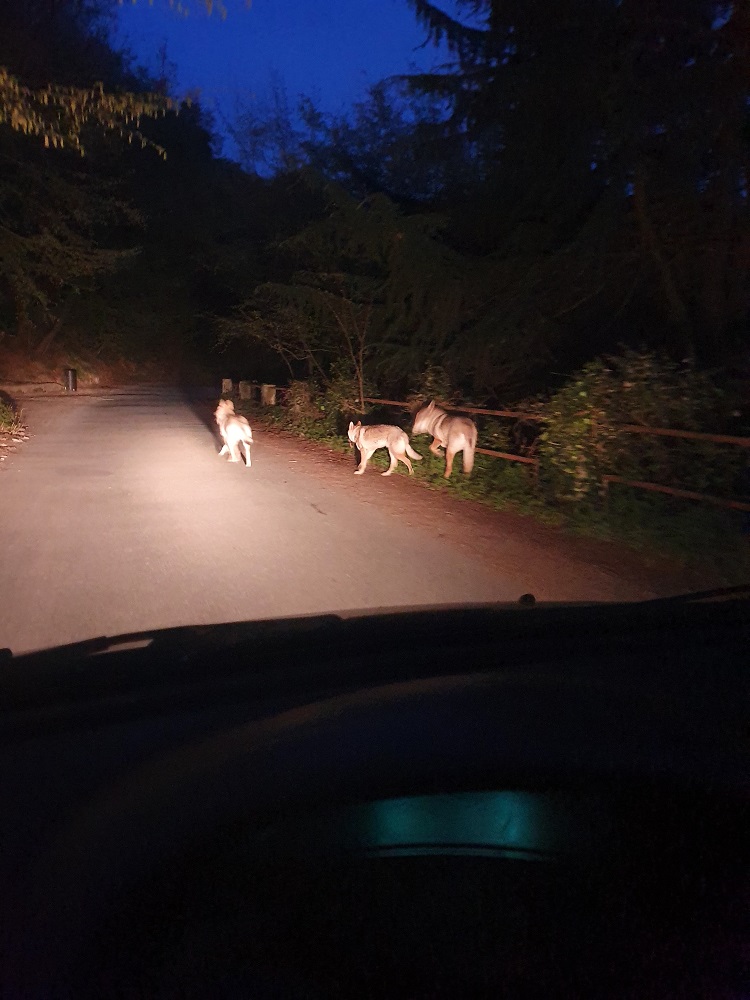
point(118, 516)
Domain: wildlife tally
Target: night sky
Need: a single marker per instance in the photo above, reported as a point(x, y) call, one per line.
point(330, 50)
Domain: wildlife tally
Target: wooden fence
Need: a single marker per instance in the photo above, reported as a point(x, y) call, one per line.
point(730, 439)
point(504, 455)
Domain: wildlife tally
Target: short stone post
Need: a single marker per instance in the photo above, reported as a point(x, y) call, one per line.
point(268, 395)
point(227, 387)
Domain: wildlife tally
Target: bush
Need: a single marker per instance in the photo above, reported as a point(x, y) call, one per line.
point(341, 397)
point(321, 412)
point(580, 439)
point(583, 440)
point(301, 407)
point(8, 418)
point(432, 383)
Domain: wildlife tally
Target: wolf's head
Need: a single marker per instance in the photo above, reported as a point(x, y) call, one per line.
point(353, 432)
point(224, 410)
point(424, 419)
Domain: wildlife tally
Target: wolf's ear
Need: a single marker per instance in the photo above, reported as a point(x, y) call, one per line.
point(351, 425)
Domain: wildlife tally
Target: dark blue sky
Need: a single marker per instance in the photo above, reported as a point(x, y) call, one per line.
point(330, 50)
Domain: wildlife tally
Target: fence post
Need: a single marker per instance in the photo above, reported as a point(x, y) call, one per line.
point(227, 387)
point(246, 390)
point(268, 395)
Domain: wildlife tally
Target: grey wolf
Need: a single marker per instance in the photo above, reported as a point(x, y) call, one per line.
point(369, 439)
point(452, 433)
point(234, 430)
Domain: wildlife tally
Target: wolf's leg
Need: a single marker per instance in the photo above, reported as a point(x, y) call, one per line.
point(365, 457)
point(394, 463)
point(403, 458)
point(449, 455)
point(435, 447)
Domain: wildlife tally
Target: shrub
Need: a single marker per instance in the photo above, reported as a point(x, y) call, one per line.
point(340, 400)
point(8, 418)
point(580, 439)
point(583, 440)
point(432, 383)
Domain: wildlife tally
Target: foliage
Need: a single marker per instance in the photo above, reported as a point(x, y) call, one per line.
point(322, 410)
point(431, 384)
point(59, 115)
point(580, 438)
point(344, 395)
point(579, 176)
point(366, 281)
point(331, 305)
point(53, 220)
point(583, 439)
point(9, 420)
point(303, 410)
point(66, 222)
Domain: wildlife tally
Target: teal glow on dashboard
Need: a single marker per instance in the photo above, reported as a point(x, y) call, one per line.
point(513, 823)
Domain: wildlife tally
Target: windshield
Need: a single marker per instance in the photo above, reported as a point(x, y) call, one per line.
point(366, 307)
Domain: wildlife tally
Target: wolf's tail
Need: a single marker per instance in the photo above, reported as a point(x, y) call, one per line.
point(411, 453)
point(471, 444)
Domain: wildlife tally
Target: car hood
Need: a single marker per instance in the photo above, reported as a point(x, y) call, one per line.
point(494, 634)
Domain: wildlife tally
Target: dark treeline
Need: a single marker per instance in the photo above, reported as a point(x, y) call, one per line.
point(574, 178)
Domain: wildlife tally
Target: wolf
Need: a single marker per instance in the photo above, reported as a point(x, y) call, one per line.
point(369, 439)
point(235, 431)
point(452, 433)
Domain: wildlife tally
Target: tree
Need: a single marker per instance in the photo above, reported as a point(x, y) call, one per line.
point(59, 115)
point(64, 221)
point(615, 131)
point(52, 226)
point(59, 75)
point(332, 299)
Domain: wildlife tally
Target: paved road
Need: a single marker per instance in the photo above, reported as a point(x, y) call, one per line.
point(118, 516)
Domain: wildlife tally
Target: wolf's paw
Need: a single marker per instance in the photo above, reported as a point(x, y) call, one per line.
point(359, 472)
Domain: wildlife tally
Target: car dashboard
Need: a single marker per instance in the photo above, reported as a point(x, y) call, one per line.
point(525, 801)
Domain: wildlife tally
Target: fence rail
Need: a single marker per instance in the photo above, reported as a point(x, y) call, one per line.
point(506, 456)
point(673, 491)
point(731, 439)
point(461, 409)
point(740, 442)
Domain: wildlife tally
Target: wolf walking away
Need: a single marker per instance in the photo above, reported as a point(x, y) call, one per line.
point(234, 430)
point(369, 439)
point(452, 433)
